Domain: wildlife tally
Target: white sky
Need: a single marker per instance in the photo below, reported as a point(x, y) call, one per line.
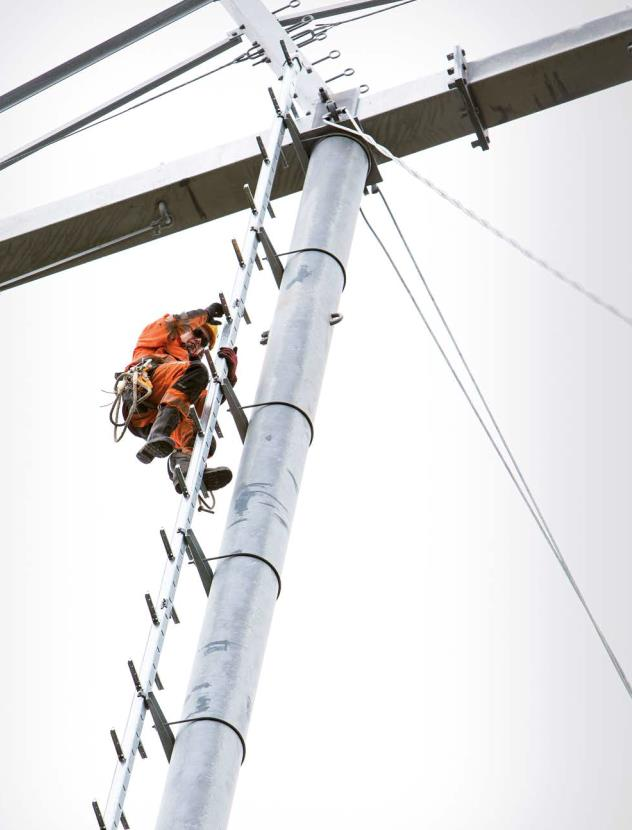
point(428, 664)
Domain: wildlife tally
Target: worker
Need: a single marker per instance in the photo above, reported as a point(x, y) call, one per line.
point(170, 351)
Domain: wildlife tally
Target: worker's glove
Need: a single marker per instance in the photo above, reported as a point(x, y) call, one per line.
point(213, 311)
point(230, 356)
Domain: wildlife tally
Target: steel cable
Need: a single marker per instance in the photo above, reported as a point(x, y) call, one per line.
point(239, 59)
point(590, 295)
point(325, 27)
point(518, 480)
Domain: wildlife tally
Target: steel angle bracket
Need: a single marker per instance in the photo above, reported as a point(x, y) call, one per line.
point(161, 725)
point(199, 560)
point(460, 82)
point(341, 109)
point(239, 416)
point(276, 266)
point(299, 148)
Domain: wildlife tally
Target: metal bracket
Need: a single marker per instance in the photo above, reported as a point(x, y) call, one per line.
point(227, 313)
point(117, 746)
point(262, 150)
point(196, 421)
point(237, 251)
point(461, 83)
point(299, 149)
point(135, 677)
point(101, 822)
point(346, 101)
point(181, 480)
point(165, 542)
point(199, 560)
point(239, 416)
point(152, 609)
point(176, 621)
point(274, 262)
point(165, 733)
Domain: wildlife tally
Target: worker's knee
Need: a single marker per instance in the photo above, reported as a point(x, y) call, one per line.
point(193, 381)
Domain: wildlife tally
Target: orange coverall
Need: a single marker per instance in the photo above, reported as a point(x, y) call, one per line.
point(177, 381)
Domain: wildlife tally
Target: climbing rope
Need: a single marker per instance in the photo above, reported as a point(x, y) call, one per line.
point(126, 389)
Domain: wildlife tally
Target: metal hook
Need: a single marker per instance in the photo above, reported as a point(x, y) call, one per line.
point(302, 22)
point(293, 4)
point(333, 55)
point(347, 73)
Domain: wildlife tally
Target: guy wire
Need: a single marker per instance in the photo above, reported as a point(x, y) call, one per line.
point(535, 512)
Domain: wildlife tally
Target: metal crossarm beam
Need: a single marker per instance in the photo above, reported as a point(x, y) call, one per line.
point(115, 103)
point(175, 546)
point(99, 52)
point(408, 118)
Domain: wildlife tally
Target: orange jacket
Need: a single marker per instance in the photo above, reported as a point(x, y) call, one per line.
point(161, 338)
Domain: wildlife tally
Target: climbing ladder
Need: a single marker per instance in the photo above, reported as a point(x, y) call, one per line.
point(182, 541)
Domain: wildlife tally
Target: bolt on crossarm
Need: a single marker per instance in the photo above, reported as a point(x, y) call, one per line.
point(210, 746)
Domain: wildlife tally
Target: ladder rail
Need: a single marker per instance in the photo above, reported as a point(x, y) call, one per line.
point(155, 641)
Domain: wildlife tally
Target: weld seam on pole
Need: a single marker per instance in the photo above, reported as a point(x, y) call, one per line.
point(215, 720)
point(250, 556)
point(321, 251)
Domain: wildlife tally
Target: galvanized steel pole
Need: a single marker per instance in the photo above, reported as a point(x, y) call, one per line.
point(210, 746)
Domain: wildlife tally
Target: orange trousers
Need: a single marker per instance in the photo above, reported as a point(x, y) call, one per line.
point(178, 385)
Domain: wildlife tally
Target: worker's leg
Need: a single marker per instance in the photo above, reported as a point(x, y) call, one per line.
point(184, 438)
point(176, 387)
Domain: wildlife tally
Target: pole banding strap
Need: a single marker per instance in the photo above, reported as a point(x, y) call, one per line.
point(251, 556)
point(216, 720)
point(291, 406)
point(321, 251)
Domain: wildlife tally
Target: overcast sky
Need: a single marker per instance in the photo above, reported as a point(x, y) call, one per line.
point(429, 666)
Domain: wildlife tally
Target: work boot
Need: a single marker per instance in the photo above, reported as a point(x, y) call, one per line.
point(159, 443)
point(214, 478)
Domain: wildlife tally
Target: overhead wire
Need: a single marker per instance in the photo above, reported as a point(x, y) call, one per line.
point(516, 475)
point(571, 283)
point(327, 26)
point(239, 59)
point(322, 27)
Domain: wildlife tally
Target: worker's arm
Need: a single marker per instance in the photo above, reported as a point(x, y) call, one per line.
point(152, 341)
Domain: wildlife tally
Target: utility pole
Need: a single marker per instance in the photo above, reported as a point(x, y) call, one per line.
point(459, 100)
point(210, 748)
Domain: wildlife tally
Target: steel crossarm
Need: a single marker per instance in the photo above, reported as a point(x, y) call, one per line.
point(413, 116)
point(262, 28)
point(187, 509)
